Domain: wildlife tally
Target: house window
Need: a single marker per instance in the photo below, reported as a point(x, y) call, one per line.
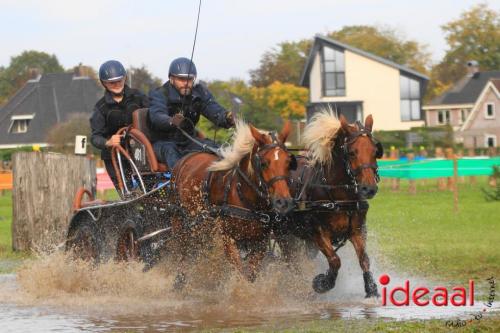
point(20, 124)
point(490, 111)
point(443, 117)
point(410, 98)
point(490, 141)
point(333, 72)
point(463, 115)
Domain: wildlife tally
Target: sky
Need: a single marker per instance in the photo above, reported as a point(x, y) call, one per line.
point(232, 34)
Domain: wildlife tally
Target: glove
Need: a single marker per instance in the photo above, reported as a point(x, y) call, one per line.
point(229, 120)
point(177, 120)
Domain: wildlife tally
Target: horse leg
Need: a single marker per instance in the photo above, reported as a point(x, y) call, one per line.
point(358, 240)
point(291, 248)
point(233, 253)
point(256, 255)
point(325, 282)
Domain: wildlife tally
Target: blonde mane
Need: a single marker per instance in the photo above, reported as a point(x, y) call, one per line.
point(242, 145)
point(319, 136)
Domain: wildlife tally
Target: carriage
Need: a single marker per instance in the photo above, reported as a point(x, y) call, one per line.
point(260, 195)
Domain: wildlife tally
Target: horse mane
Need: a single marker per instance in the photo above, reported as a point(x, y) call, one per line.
point(232, 155)
point(319, 136)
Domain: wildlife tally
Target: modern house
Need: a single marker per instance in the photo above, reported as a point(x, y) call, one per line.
point(43, 102)
point(471, 108)
point(357, 83)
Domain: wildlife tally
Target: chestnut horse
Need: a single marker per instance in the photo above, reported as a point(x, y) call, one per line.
point(331, 186)
point(247, 188)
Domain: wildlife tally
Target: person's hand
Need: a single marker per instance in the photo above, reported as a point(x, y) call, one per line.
point(177, 120)
point(230, 120)
point(114, 141)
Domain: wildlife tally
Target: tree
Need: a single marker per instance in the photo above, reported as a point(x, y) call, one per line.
point(140, 78)
point(282, 99)
point(61, 137)
point(286, 62)
point(22, 67)
point(473, 36)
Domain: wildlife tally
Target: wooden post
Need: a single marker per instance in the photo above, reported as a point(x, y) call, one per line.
point(412, 188)
point(451, 181)
point(44, 185)
point(455, 187)
point(395, 182)
point(441, 181)
point(471, 153)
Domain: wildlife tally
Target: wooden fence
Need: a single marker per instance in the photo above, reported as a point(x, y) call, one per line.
point(43, 188)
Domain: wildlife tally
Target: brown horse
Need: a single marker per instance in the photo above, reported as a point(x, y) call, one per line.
point(331, 186)
point(248, 187)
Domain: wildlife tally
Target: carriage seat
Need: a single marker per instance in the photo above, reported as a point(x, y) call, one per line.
point(141, 132)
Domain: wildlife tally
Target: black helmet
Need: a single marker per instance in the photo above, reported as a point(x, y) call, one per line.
point(182, 67)
point(112, 70)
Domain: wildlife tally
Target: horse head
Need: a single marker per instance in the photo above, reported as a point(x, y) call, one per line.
point(272, 163)
point(360, 153)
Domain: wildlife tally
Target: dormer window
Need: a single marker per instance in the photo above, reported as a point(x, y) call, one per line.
point(20, 124)
point(333, 67)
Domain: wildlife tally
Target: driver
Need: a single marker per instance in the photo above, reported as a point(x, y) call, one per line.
point(179, 104)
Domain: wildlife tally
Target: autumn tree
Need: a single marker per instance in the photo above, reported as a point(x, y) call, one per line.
point(473, 36)
point(142, 79)
point(22, 67)
point(283, 63)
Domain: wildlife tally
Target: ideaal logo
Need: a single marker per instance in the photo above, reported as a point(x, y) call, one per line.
point(440, 296)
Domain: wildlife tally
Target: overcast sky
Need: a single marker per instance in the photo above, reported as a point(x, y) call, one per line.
point(232, 36)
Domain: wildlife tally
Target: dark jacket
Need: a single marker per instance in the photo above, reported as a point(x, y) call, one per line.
point(109, 116)
point(166, 102)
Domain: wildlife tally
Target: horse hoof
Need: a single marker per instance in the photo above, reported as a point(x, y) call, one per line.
point(322, 283)
point(372, 293)
point(179, 282)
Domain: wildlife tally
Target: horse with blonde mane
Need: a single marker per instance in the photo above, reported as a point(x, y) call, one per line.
point(247, 188)
point(330, 187)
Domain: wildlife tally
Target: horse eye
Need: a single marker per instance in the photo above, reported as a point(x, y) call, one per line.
point(264, 164)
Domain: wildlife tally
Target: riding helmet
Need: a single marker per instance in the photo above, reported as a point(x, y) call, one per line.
point(182, 67)
point(112, 70)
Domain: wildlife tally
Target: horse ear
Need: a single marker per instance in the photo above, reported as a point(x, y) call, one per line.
point(287, 127)
point(258, 136)
point(369, 122)
point(343, 123)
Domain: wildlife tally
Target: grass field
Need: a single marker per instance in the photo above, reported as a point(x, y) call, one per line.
point(424, 234)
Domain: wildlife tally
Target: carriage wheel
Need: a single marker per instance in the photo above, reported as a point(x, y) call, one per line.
point(127, 247)
point(84, 242)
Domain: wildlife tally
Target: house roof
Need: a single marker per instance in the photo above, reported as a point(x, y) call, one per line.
point(466, 90)
point(319, 40)
point(51, 98)
point(494, 85)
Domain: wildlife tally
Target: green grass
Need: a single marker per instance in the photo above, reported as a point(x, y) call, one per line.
point(424, 234)
point(486, 324)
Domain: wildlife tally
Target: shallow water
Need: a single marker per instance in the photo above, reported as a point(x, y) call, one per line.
point(52, 294)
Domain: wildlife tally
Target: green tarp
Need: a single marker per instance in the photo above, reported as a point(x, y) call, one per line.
point(436, 168)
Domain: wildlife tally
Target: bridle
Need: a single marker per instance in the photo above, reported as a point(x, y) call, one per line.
point(262, 188)
point(348, 141)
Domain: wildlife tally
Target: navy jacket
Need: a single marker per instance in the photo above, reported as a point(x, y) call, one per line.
point(109, 116)
point(166, 101)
